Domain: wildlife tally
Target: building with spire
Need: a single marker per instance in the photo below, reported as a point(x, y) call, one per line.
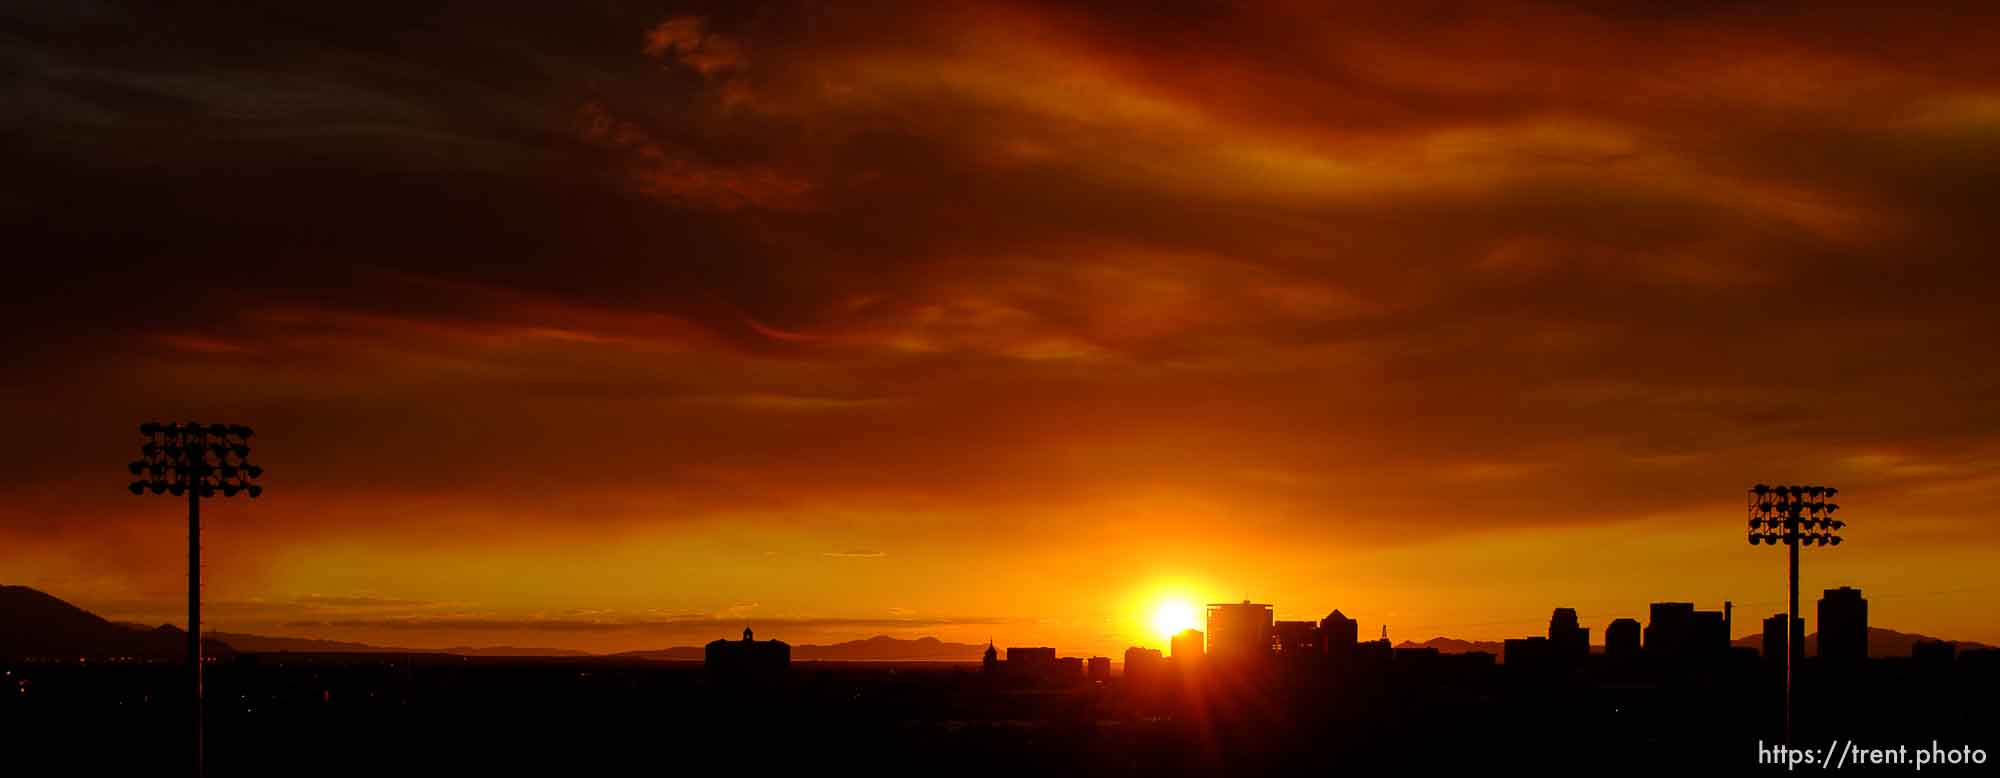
point(747, 657)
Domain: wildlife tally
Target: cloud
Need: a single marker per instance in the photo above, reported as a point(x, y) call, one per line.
point(675, 174)
point(973, 284)
point(686, 40)
point(359, 601)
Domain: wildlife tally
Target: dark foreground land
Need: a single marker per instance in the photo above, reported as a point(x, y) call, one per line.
point(289, 714)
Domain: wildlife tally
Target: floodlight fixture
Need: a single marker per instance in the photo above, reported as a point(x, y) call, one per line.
point(192, 460)
point(1795, 515)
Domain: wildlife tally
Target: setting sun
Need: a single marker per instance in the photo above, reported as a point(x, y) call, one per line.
point(1172, 616)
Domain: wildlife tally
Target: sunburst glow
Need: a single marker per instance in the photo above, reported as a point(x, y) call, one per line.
point(1173, 615)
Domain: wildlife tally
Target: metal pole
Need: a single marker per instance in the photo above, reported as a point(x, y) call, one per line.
point(201, 461)
point(194, 615)
point(1785, 513)
point(1792, 652)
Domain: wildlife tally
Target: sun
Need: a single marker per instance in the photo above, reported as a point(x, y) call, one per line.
point(1173, 615)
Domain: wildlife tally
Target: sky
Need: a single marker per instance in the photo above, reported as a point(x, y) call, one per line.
point(623, 325)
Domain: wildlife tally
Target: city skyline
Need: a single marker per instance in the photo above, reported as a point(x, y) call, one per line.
point(1265, 634)
point(626, 326)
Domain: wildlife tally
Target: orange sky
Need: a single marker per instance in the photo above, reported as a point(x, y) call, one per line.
point(622, 329)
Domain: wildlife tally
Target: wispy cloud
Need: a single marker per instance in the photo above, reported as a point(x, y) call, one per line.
point(1004, 284)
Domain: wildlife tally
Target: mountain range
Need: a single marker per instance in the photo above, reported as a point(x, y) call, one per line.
point(1881, 642)
point(881, 648)
point(35, 624)
point(265, 644)
point(1446, 645)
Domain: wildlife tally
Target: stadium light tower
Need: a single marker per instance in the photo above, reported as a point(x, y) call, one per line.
point(1795, 516)
point(197, 461)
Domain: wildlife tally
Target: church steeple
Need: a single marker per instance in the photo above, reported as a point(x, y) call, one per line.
point(991, 661)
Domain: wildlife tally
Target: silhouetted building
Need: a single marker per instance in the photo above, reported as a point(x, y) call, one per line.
point(1711, 634)
point(1843, 625)
point(1933, 654)
point(1670, 630)
point(1187, 646)
point(1143, 666)
point(1031, 661)
point(1373, 653)
point(1239, 631)
point(1296, 639)
point(1776, 642)
point(1099, 669)
point(1069, 669)
point(1569, 642)
point(748, 657)
point(1527, 653)
point(990, 661)
point(1621, 639)
point(1338, 634)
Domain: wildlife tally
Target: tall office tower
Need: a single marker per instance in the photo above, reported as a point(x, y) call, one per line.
point(1843, 625)
point(1239, 631)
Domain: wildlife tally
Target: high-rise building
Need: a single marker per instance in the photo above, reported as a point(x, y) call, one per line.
point(1239, 631)
point(1031, 662)
point(1099, 669)
point(1843, 625)
point(1670, 629)
point(1143, 667)
point(1296, 639)
point(1338, 634)
point(1569, 642)
point(1621, 639)
point(1187, 647)
point(1776, 642)
point(990, 661)
point(1711, 634)
point(1522, 654)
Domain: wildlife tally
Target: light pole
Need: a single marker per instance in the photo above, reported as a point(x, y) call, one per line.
point(197, 461)
point(1796, 516)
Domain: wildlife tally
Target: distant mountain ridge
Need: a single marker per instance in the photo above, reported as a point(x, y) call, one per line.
point(34, 624)
point(1445, 645)
point(880, 648)
point(1882, 642)
point(519, 651)
point(266, 644)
